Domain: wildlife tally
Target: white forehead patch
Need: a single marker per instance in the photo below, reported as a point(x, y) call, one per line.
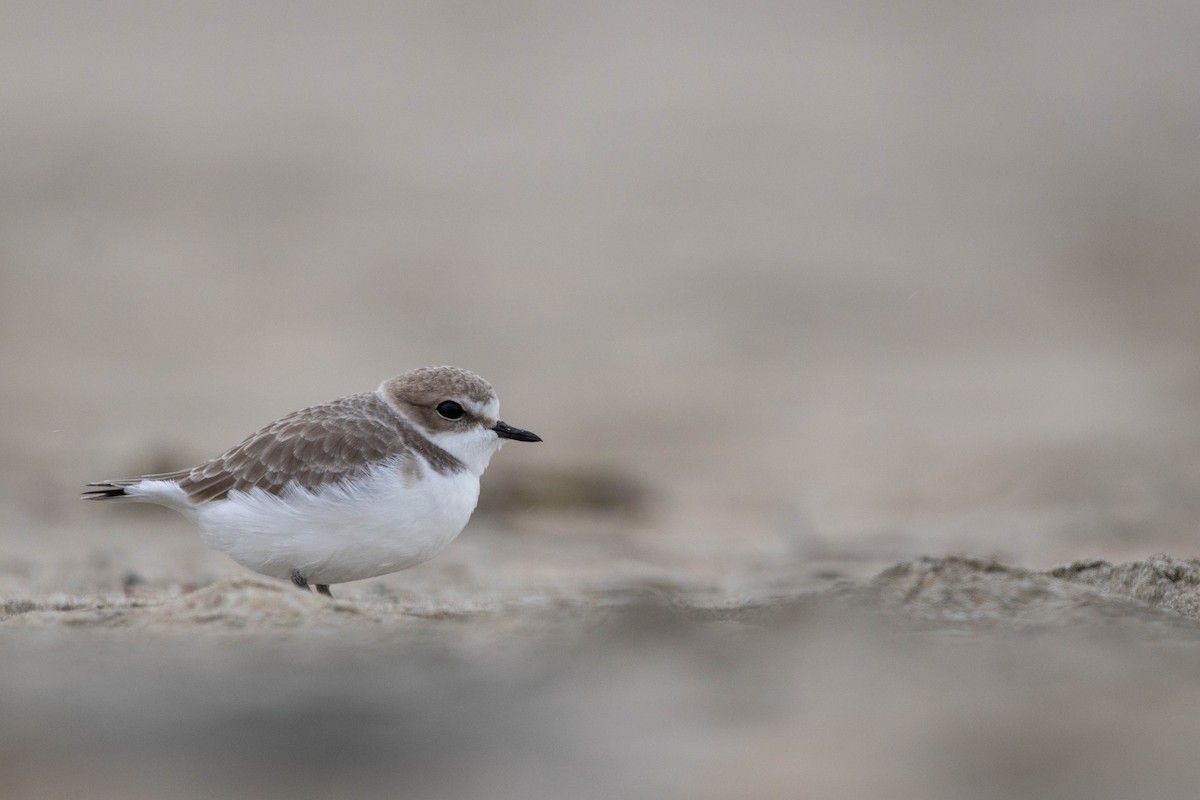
point(488, 410)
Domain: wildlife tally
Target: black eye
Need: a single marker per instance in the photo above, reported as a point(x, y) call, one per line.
point(450, 409)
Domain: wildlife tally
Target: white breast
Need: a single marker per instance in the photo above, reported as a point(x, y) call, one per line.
point(391, 519)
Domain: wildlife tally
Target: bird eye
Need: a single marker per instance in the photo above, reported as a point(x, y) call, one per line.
point(450, 409)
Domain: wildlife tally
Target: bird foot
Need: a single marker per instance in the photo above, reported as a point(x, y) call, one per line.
point(302, 583)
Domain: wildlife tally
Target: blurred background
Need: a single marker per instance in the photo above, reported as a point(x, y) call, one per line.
point(791, 290)
point(843, 270)
point(834, 271)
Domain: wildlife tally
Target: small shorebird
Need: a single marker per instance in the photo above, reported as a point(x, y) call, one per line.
point(355, 488)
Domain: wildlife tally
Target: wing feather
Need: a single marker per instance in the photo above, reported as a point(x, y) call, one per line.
point(325, 444)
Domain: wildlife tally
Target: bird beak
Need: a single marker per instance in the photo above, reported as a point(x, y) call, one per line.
point(506, 431)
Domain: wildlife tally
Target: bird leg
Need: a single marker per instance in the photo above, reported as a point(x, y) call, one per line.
point(302, 583)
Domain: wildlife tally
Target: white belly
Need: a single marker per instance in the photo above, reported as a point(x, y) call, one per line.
point(382, 523)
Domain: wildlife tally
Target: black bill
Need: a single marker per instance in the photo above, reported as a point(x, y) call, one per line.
point(506, 431)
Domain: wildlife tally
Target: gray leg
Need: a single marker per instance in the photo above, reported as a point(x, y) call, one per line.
point(298, 579)
point(323, 588)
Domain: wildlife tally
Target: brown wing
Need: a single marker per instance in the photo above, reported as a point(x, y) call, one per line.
point(329, 443)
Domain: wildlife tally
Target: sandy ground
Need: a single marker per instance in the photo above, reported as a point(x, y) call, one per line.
point(845, 326)
point(952, 677)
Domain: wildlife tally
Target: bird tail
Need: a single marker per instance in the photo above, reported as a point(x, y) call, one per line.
point(147, 489)
point(109, 490)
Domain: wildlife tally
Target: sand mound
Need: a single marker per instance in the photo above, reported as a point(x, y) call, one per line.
point(1160, 581)
point(979, 594)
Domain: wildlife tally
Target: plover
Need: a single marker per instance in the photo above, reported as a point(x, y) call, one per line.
point(355, 488)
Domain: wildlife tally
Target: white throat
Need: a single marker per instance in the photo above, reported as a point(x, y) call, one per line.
point(474, 447)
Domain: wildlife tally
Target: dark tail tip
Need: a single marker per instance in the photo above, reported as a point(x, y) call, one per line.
point(104, 491)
